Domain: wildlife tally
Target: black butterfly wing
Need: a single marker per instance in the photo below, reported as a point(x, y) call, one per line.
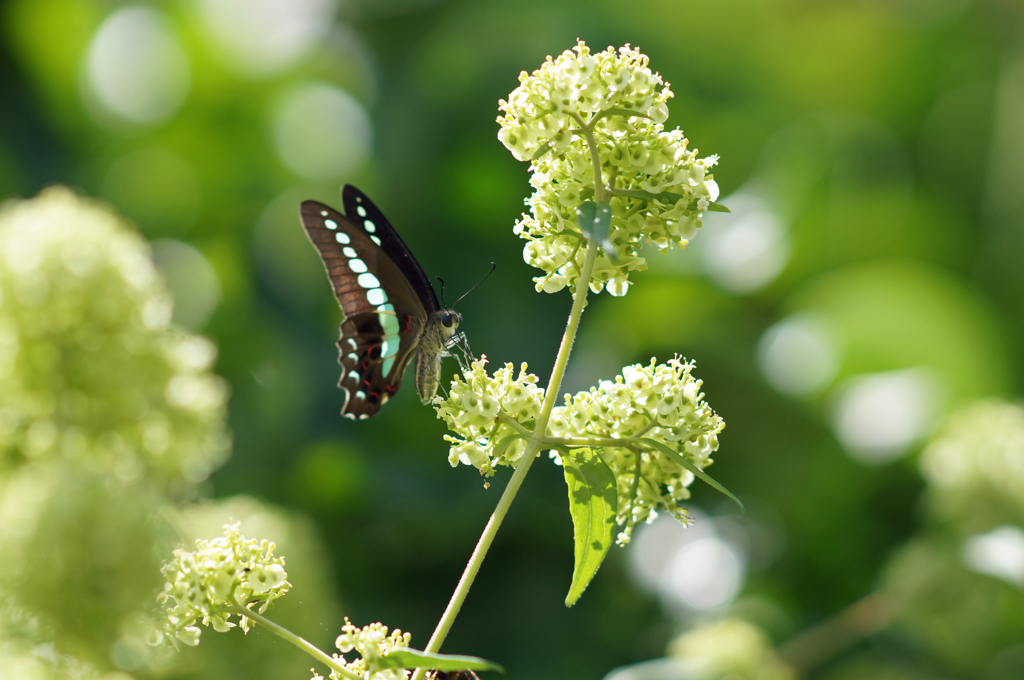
point(361, 210)
point(383, 310)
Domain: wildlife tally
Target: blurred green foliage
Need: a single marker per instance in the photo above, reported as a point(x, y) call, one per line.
point(880, 141)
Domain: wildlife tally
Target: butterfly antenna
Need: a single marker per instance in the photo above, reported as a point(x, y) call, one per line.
point(493, 267)
point(443, 305)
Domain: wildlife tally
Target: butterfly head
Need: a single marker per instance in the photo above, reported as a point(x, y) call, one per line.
point(450, 319)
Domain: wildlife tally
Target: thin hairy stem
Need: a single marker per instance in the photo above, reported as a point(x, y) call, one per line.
point(537, 439)
point(592, 442)
point(301, 643)
point(534, 444)
point(515, 425)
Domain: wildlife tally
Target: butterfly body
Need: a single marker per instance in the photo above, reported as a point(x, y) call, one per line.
point(435, 340)
point(452, 675)
point(391, 311)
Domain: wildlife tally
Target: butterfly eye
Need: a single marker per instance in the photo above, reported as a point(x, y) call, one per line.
point(447, 319)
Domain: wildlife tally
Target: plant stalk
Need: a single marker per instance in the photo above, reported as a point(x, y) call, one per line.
point(301, 643)
point(533, 447)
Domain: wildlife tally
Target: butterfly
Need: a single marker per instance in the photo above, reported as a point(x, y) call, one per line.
point(391, 311)
point(452, 675)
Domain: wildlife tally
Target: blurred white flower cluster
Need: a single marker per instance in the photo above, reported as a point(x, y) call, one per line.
point(659, 188)
point(730, 647)
point(371, 643)
point(471, 411)
point(107, 412)
point(981, 445)
point(91, 368)
point(662, 402)
point(227, 571)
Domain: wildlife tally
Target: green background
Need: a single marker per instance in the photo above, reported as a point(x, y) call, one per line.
point(885, 136)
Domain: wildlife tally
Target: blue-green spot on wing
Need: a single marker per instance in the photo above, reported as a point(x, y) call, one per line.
point(593, 504)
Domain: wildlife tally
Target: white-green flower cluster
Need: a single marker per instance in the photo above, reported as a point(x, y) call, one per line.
point(92, 371)
point(371, 643)
point(476, 410)
point(975, 465)
point(981, 444)
point(730, 647)
point(659, 187)
point(226, 572)
point(662, 402)
point(29, 664)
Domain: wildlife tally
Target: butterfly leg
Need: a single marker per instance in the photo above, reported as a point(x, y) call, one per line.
point(464, 356)
point(457, 340)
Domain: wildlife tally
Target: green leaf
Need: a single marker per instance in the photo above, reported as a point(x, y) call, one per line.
point(544, 148)
point(585, 213)
point(414, 658)
point(692, 468)
point(594, 220)
point(499, 450)
point(664, 197)
point(717, 207)
point(593, 503)
point(628, 113)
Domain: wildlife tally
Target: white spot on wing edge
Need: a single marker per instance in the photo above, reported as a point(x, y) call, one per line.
point(374, 239)
point(360, 210)
point(342, 237)
point(330, 224)
point(349, 251)
point(369, 226)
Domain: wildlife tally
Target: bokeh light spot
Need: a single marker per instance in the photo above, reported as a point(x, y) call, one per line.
point(878, 417)
point(704, 574)
point(797, 356)
point(322, 133)
point(192, 280)
point(693, 567)
point(264, 37)
point(135, 67)
point(745, 250)
point(998, 553)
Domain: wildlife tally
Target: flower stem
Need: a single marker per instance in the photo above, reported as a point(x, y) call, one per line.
point(533, 447)
point(301, 643)
point(599, 189)
point(578, 303)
